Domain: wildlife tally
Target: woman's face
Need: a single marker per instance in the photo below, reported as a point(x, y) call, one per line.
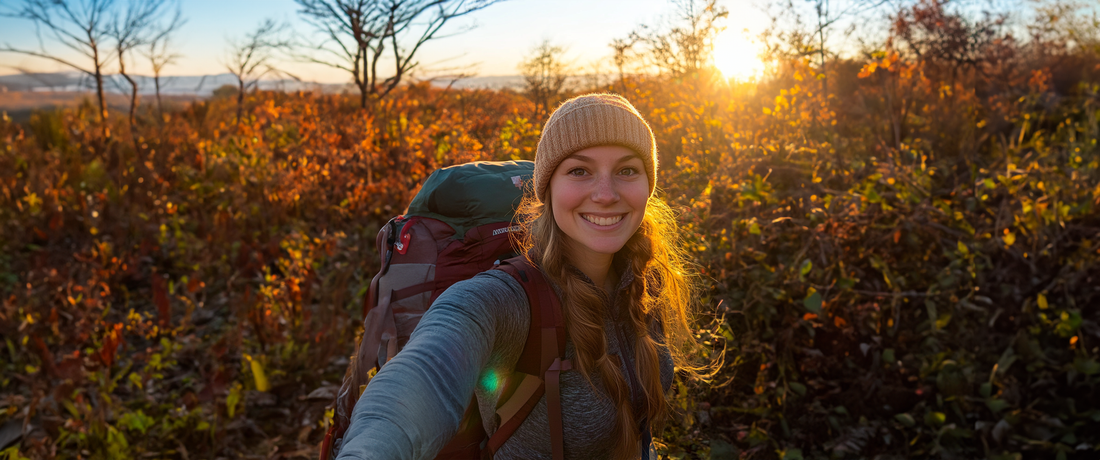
point(598, 196)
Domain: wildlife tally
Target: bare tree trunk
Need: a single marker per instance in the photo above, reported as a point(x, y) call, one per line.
point(361, 77)
point(240, 102)
point(133, 92)
point(821, 46)
point(133, 100)
point(160, 106)
point(99, 93)
point(363, 94)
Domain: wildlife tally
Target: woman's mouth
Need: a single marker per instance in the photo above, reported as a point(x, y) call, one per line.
point(602, 221)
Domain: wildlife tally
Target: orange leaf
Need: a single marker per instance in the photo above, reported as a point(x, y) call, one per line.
point(110, 345)
point(868, 69)
point(194, 285)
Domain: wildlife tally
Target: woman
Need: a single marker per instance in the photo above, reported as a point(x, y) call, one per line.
point(594, 229)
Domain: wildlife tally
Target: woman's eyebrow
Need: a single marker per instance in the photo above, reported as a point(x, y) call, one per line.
point(586, 159)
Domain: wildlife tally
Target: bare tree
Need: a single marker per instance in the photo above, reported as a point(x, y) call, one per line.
point(828, 14)
point(80, 25)
point(621, 48)
point(799, 36)
point(358, 33)
point(160, 54)
point(251, 57)
point(687, 45)
point(544, 74)
point(139, 25)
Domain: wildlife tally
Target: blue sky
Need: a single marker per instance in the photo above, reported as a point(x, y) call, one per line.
point(504, 34)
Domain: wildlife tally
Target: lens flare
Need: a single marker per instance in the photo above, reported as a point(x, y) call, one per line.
point(490, 382)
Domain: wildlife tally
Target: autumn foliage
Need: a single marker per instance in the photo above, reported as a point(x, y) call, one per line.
point(903, 261)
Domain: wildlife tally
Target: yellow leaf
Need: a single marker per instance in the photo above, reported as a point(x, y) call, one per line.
point(1043, 302)
point(258, 374)
point(233, 399)
point(1009, 238)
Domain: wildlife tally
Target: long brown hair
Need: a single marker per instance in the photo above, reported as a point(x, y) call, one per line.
point(661, 292)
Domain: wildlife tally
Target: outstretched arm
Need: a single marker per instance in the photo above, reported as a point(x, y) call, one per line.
point(415, 403)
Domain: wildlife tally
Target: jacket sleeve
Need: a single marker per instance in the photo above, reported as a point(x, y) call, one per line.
point(413, 406)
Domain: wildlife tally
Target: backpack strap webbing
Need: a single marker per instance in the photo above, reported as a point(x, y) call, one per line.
point(540, 363)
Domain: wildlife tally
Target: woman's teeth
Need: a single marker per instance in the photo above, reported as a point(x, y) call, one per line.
point(603, 221)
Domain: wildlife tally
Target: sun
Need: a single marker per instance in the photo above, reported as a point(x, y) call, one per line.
point(737, 56)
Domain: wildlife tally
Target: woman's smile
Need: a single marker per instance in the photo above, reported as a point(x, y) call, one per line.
point(603, 221)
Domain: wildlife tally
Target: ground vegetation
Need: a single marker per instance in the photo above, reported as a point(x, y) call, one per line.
point(905, 266)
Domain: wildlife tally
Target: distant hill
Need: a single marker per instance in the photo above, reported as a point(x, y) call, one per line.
point(183, 85)
point(21, 94)
point(204, 85)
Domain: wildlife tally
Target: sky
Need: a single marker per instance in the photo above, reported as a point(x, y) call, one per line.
point(502, 35)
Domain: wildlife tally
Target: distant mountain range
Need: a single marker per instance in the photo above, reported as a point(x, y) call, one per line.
point(204, 85)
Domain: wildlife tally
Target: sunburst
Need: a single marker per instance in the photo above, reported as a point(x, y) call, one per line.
point(737, 56)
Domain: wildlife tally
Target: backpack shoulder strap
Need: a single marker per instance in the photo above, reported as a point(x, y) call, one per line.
point(541, 361)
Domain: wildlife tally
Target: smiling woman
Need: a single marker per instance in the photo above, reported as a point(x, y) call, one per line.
point(737, 56)
point(610, 249)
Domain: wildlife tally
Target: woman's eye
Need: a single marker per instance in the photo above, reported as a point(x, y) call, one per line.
point(628, 171)
point(576, 172)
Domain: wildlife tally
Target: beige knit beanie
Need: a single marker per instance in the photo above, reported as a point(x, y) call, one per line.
point(589, 121)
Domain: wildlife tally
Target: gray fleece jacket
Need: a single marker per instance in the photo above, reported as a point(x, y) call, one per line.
point(468, 340)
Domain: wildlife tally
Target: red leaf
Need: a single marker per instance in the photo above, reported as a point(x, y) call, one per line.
point(56, 221)
point(45, 355)
point(194, 285)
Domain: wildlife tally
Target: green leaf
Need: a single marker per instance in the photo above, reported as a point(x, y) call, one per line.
point(935, 419)
point(726, 332)
point(754, 228)
point(792, 454)
point(989, 183)
point(798, 388)
point(943, 321)
point(722, 450)
point(812, 302)
point(136, 380)
point(996, 405)
point(905, 419)
point(963, 249)
point(888, 356)
point(1087, 366)
point(806, 267)
point(136, 421)
point(12, 453)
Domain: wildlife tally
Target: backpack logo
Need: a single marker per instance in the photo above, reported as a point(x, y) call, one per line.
point(517, 181)
point(514, 228)
point(402, 244)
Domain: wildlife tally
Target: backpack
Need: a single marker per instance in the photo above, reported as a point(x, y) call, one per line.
point(458, 225)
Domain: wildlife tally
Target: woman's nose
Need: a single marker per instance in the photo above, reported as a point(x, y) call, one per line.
point(605, 191)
